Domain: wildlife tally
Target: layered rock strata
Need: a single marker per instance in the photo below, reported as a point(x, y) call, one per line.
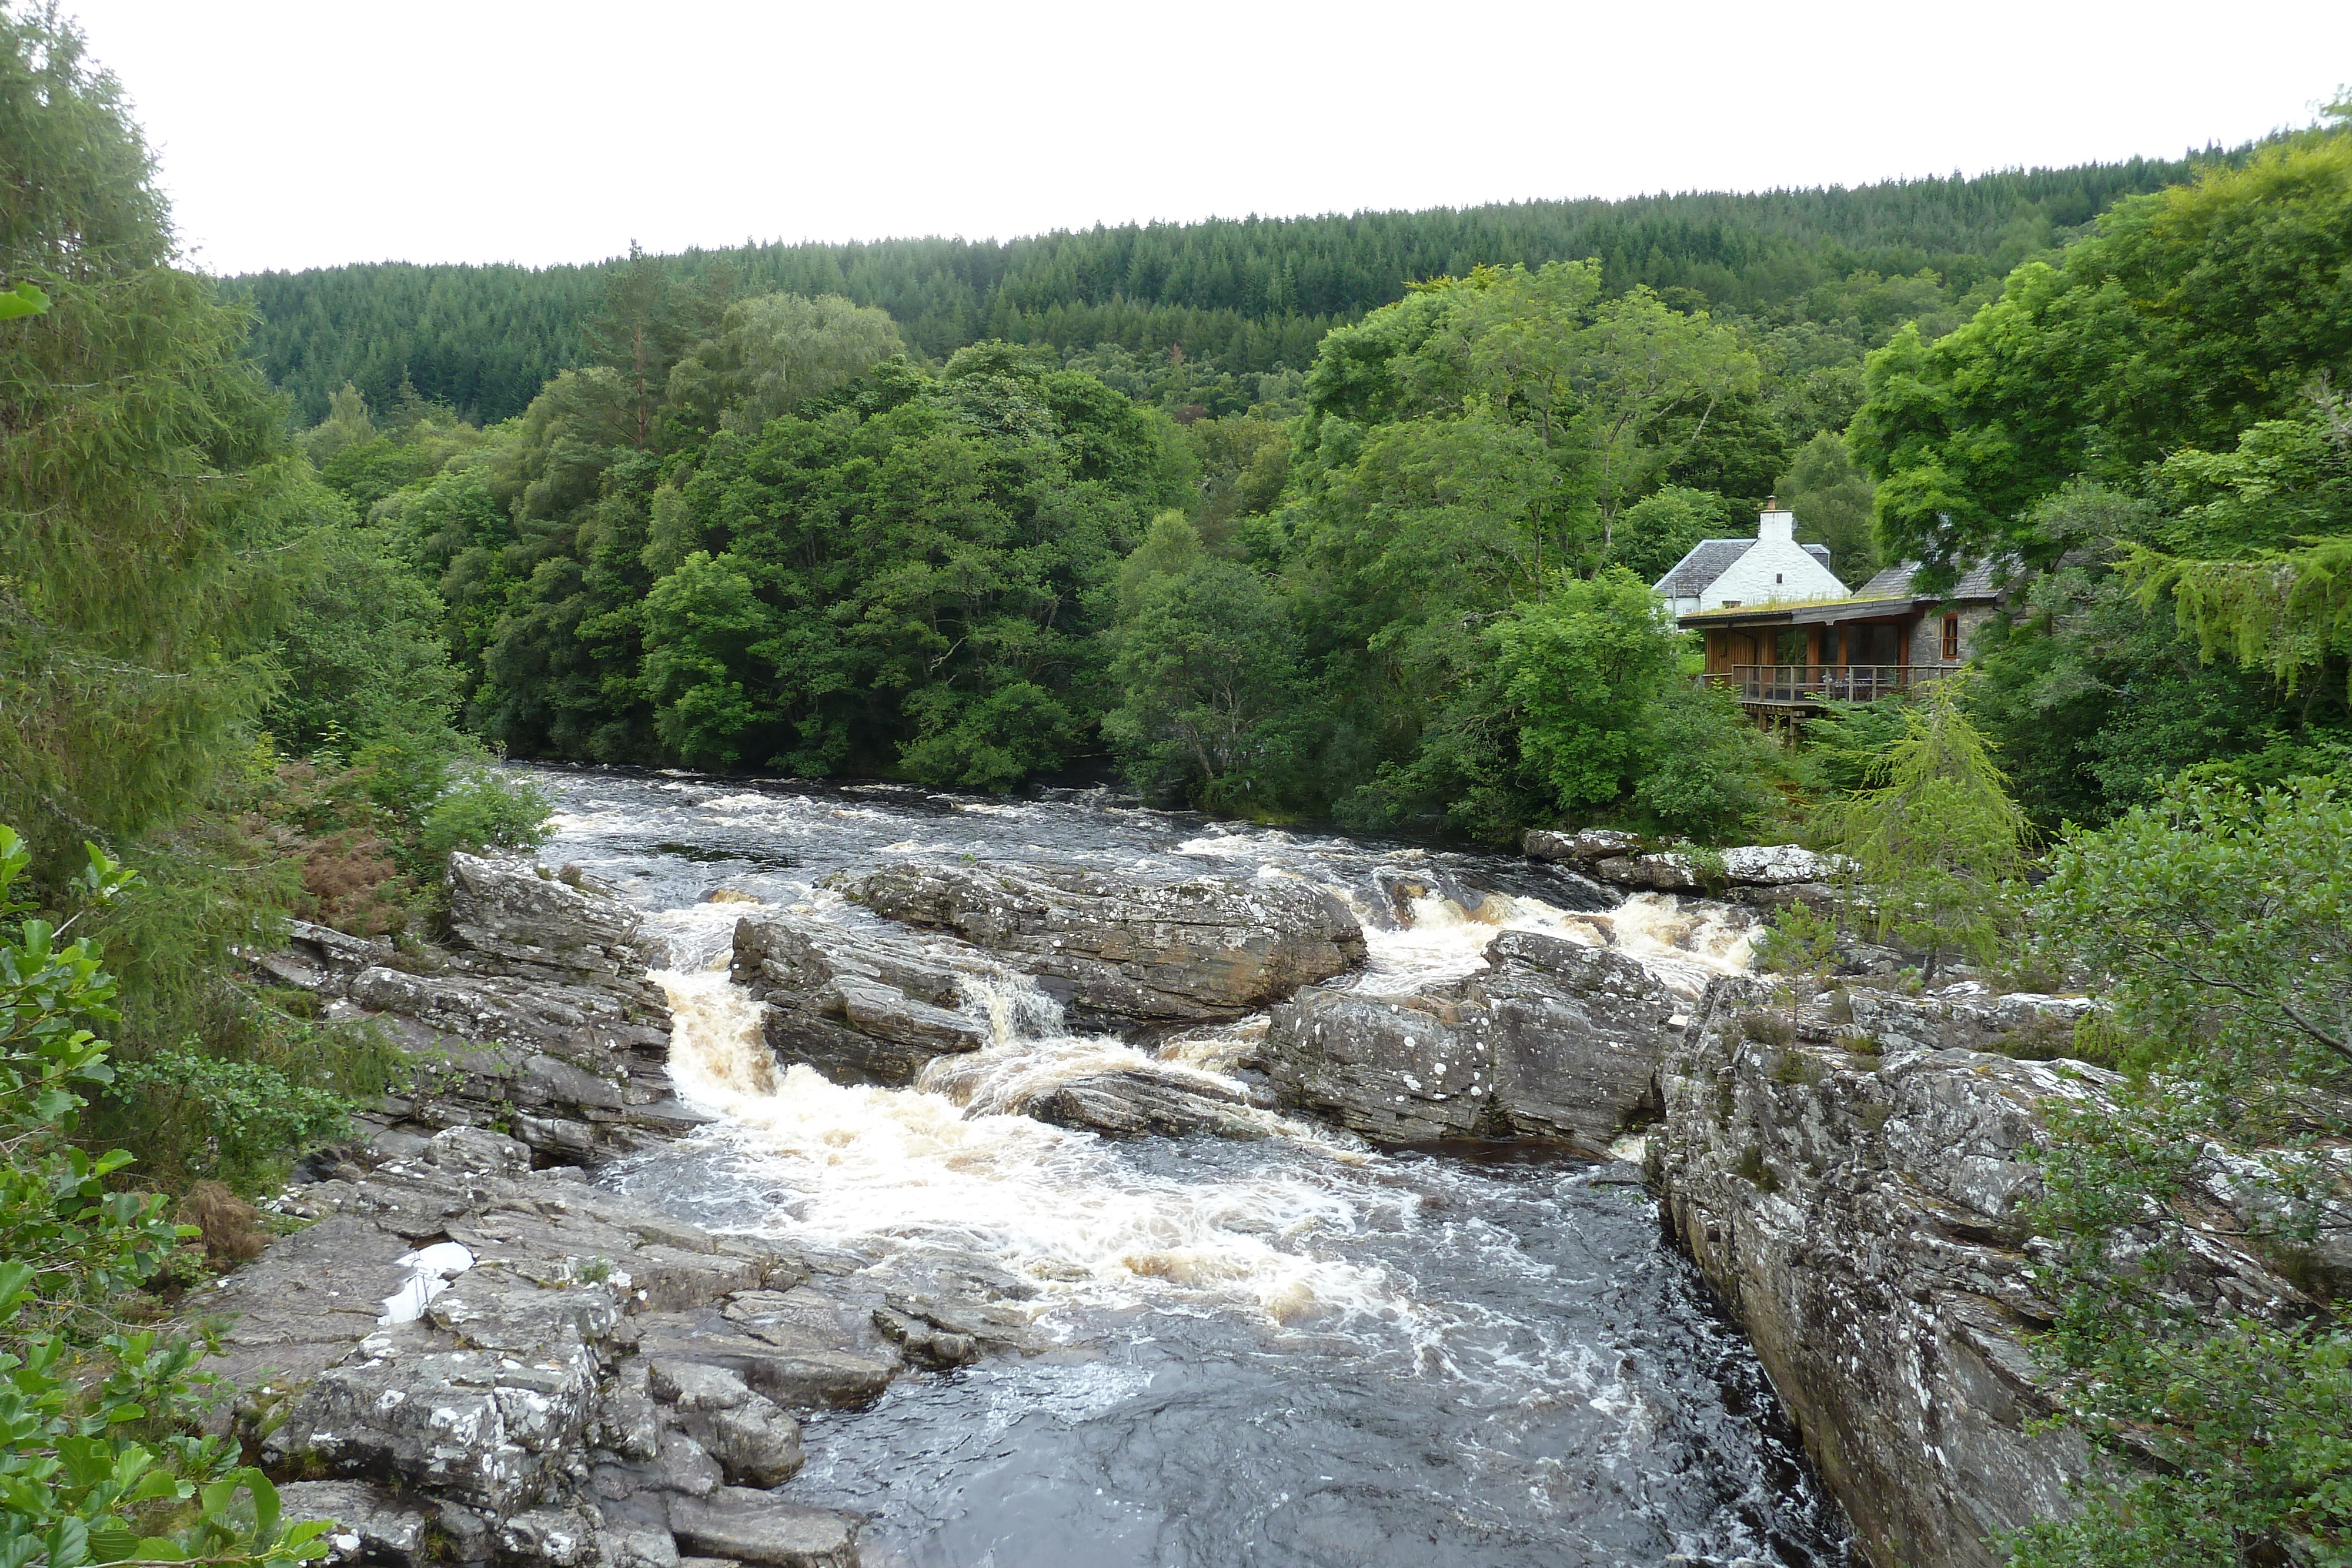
point(1203, 949)
point(536, 1014)
point(877, 1004)
point(1553, 1039)
point(870, 1004)
point(1854, 1190)
point(489, 1362)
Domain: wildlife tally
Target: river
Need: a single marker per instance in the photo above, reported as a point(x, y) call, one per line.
point(1290, 1350)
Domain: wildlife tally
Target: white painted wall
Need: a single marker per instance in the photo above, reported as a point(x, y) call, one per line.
point(1776, 568)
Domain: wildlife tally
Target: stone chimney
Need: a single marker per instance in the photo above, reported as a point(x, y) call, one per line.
point(1773, 523)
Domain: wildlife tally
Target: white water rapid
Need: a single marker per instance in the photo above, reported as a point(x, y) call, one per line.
point(1283, 1349)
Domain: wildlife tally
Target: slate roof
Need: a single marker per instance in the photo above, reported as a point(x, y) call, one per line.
point(1819, 552)
point(1709, 560)
point(1894, 582)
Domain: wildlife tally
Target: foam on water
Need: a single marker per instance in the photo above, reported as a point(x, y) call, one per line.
point(1497, 1363)
point(872, 1169)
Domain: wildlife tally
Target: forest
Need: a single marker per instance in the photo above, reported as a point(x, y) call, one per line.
point(1334, 519)
point(1241, 297)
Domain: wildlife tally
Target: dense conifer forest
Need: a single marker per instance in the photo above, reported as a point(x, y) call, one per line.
point(1237, 296)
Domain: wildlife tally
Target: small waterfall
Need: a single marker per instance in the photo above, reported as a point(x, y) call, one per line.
point(878, 1169)
point(1393, 1358)
point(1683, 942)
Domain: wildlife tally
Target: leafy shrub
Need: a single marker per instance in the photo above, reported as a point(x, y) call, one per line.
point(2217, 915)
point(484, 807)
point(239, 1120)
point(96, 1463)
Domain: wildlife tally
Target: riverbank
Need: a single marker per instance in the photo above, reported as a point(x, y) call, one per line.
point(1519, 1324)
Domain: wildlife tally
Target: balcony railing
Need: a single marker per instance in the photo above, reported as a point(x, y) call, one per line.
point(1823, 683)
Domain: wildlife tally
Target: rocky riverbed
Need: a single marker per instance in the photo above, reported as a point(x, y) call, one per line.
point(1058, 1182)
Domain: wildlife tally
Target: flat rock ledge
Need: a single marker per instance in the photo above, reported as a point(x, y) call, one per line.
point(536, 1013)
point(1553, 1039)
point(1854, 1196)
point(464, 1359)
point(1200, 950)
point(1764, 875)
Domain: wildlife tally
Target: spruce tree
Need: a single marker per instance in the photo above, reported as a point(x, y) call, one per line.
point(146, 494)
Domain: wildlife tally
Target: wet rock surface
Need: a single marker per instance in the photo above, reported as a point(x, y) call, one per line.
point(540, 1371)
point(1128, 1104)
point(1554, 1039)
point(864, 1005)
point(536, 1012)
point(1852, 1190)
point(1206, 948)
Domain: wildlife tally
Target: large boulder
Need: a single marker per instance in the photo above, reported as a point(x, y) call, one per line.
point(1554, 1039)
point(1852, 1190)
point(866, 1004)
point(1210, 947)
point(738, 1525)
point(1579, 848)
point(1128, 1102)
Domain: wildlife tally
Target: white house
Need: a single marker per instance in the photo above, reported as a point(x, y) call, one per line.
point(1772, 568)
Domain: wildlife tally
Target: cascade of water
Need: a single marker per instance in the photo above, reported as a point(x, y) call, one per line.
point(1291, 1341)
point(874, 1168)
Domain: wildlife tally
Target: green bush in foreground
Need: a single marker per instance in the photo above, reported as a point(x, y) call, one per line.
point(97, 1460)
point(2219, 920)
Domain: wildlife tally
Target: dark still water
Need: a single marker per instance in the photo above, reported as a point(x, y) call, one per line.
point(1292, 1349)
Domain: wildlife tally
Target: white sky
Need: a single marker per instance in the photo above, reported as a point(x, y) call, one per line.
point(305, 133)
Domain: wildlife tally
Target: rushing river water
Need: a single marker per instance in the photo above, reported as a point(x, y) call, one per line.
point(1287, 1351)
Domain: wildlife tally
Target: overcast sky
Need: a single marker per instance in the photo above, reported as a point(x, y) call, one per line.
point(305, 133)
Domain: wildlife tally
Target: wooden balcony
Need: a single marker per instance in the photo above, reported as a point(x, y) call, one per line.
point(1812, 685)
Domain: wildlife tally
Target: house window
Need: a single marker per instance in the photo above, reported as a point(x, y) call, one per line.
point(1731, 604)
point(1951, 637)
point(1778, 578)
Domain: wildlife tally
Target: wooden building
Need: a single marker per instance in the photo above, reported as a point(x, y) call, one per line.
point(1779, 656)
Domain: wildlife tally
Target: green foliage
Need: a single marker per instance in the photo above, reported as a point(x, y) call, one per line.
point(1241, 296)
point(145, 498)
point(1468, 460)
point(2189, 316)
point(909, 581)
point(2250, 1445)
point(775, 352)
point(22, 300)
point(2097, 696)
point(95, 1463)
point(363, 655)
point(1660, 529)
point(1800, 940)
point(1934, 836)
point(1834, 501)
point(2278, 513)
point(1207, 662)
point(1847, 743)
point(2217, 918)
point(1574, 705)
point(243, 1117)
point(2224, 917)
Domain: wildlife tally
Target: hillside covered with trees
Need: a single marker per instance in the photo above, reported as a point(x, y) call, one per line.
point(1238, 296)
